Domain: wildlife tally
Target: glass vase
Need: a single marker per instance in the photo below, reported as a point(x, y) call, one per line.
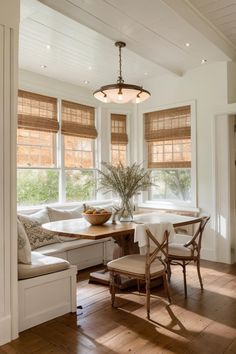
point(126, 213)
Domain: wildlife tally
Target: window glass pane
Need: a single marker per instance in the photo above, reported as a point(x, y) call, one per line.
point(36, 186)
point(118, 154)
point(172, 184)
point(78, 152)
point(80, 185)
point(174, 151)
point(35, 148)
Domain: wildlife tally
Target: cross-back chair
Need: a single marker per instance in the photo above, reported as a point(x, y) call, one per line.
point(142, 267)
point(186, 252)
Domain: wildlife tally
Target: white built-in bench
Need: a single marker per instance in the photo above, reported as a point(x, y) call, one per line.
point(47, 286)
point(47, 289)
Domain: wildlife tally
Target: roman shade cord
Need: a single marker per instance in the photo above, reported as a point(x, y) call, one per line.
point(78, 120)
point(37, 112)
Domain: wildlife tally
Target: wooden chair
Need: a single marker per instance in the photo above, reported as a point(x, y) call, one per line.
point(142, 267)
point(186, 252)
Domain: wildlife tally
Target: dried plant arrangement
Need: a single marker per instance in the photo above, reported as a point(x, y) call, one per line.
point(125, 182)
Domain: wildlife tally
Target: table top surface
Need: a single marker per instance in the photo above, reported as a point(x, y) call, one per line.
point(82, 229)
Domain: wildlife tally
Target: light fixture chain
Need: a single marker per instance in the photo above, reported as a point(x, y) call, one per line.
point(120, 79)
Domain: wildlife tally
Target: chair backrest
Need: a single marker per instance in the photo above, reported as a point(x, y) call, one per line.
point(161, 247)
point(196, 241)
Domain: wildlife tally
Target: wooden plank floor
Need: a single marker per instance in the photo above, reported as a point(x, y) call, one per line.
point(205, 323)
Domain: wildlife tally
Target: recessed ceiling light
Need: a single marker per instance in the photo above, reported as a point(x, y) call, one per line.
point(187, 44)
point(43, 66)
point(48, 46)
point(146, 73)
point(203, 61)
point(90, 68)
point(86, 82)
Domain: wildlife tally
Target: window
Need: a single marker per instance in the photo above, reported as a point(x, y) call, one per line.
point(168, 138)
point(38, 178)
point(119, 139)
point(78, 128)
point(40, 152)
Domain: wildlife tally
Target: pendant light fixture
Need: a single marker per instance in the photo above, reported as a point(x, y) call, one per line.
point(121, 92)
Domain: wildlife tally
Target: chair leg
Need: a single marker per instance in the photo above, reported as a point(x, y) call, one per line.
point(112, 289)
point(168, 269)
point(199, 273)
point(138, 285)
point(166, 286)
point(185, 282)
point(148, 296)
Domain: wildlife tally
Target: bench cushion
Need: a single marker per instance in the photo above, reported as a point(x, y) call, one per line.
point(63, 214)
point(41, 265)
point(57, 214)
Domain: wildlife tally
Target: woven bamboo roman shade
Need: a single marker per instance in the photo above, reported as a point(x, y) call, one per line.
point(37, 112)
point(168, 134)
point(118, 129)
point(78, 120)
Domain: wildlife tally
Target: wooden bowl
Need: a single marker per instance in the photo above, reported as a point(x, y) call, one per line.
point(97, 219)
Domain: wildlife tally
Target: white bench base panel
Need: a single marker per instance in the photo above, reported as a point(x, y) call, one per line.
point(46, 297)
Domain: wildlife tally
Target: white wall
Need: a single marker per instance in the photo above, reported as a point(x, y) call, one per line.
point(9, 23)
point(231, 73)
point(207, 85)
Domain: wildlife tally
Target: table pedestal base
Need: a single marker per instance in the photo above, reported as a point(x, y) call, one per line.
point(103, 277)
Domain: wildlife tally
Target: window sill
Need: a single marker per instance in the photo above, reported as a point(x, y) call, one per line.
point(168, 206)
point(68, 205)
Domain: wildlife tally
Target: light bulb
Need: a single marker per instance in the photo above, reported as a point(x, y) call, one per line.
point(105, 99)
point(137, 100)
point(120, 96)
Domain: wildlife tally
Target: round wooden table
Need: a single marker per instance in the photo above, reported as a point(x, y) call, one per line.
point(122, 233)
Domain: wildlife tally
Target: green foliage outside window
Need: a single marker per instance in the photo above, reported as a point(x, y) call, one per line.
point(35, 186)
point(80, 185)
point(39, 186)
point(172, 184)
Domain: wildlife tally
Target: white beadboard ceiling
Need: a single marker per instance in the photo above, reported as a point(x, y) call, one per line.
point(81, 35)
point(221, 13)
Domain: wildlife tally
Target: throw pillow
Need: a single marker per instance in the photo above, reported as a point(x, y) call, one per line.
point(37, 236)
point(24, 248)
point(56, 214)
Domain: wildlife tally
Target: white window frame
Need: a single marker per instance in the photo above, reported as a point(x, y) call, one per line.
point(60, 164)
point(165, 203)
point(128, 120)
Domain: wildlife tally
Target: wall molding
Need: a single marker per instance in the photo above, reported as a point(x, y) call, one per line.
point(8, 234)
point(5, 329)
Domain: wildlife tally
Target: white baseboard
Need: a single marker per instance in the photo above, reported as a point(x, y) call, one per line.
point(208, 254)
point(5, 329)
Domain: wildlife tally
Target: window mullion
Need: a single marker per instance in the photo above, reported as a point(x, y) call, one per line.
point(60, 158)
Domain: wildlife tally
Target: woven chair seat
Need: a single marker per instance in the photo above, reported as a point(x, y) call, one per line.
point(176, 249)
point(135, 264)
